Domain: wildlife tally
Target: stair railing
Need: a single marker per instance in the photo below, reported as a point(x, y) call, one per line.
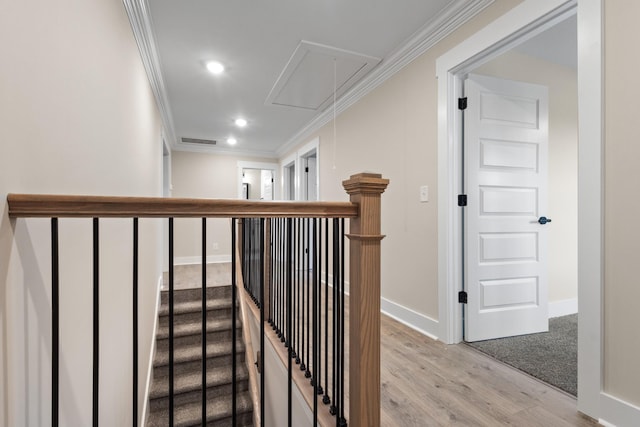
point(363, 212)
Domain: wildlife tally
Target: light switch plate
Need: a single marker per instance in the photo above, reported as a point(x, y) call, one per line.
point(424, 193)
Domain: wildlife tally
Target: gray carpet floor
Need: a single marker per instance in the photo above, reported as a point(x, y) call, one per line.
point(551, 356)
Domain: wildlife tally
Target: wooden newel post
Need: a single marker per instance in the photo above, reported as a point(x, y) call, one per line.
point(364, 235)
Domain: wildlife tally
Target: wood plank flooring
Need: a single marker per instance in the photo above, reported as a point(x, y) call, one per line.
point(427, 383)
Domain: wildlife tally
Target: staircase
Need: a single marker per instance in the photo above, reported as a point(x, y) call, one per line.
point(188, 362)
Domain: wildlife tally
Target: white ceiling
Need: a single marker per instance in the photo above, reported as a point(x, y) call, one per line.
point(558, 44)
point(255, 40)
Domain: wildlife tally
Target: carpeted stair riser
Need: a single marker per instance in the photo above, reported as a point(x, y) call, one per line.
point(194, 327)
point(218, 413)
point(194, 306)
point(194, 352)
point(188, 361)
point(195, 318)
point(190, 295)
point(190, 341)
point(188, 380)
point(195, 396)
point(188, 366)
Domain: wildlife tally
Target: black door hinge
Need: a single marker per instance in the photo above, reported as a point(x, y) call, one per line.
point(462, 200)
point(306, 169)
point(462, 297)
point(462, 103)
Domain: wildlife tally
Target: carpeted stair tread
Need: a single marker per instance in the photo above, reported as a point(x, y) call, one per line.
point(181, 329)
point(218, 411)
point(192, 381)
point(187, 357)
point(195, 306)
point(194, 294)
point(194, 352)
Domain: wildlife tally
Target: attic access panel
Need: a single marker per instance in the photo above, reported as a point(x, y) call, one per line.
point(307, 81)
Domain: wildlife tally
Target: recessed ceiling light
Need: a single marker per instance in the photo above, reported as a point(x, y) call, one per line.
point(241, 123)
point(231, 141)
point(215, 67)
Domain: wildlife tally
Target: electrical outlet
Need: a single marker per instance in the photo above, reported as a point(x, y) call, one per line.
point(424, 193)
point(215, 246)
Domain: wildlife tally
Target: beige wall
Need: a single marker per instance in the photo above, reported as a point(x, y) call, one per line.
point(254, 178)
point(393, 131)
point(77, 116)
point(622, 206)
point(563, 164)
point(205, 176)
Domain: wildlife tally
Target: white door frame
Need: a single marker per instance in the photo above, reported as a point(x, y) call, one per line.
point(312, 147)
point(524, 21)
point(286, 163)
point(258, 165)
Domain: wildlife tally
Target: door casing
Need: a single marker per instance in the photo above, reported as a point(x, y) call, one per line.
point(523, 22)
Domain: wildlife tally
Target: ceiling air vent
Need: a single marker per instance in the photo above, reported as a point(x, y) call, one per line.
point(199, 141)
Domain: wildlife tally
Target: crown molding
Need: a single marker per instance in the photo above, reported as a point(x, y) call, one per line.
point(140, 19)
point(449, 20)
point(222, 151)
point(446, 22)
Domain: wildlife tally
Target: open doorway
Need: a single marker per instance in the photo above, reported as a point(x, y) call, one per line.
point(289, 180)
point(520, 165)
point(309, 176)
point(524, 22)
point(257, 181)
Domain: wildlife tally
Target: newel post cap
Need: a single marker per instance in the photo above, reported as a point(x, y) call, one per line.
point(365, 182)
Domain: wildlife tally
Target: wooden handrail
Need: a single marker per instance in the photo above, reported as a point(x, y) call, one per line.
point(60, 206)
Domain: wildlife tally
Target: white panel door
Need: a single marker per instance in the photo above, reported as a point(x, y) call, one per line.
point(505, 146)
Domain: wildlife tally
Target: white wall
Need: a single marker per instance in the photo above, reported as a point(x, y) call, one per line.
point(563, 163)
point(393, 131)
point(254, 178)
point(205, 176)
point(622, 207)
point(77, 117)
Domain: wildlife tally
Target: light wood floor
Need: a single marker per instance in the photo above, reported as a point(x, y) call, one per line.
point(427, 383)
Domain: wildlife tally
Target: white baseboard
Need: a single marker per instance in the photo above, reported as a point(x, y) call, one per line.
point(211, 259)
point(152, 354)
point(615, 412)
point(408, 317)
point(563, 307)
point(417, 321)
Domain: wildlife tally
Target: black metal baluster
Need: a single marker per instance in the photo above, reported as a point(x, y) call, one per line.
point(318, 278)
point(336, 371)
point(283, 286)
point(271, 271)
point(307, 373)
point(289, 309)
point(325, 399)
point(234, 302)
point(299, 290)
point(247, 242)
point(55, 323)
point(203, 409)
point(261, 282)
point(96, 320)
point(276, 280)
point(171, 322)
point(294, 290)
point(278, 297)
point(135, 322)
point(316, 337)
point(343, 421)
point(304, 295)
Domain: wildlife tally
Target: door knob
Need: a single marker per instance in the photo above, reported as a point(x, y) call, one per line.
point(543, 220)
